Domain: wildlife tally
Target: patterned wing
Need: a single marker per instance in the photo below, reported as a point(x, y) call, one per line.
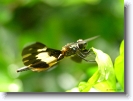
point(38, 57)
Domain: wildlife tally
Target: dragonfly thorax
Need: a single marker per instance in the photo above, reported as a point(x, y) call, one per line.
point(72, 48)
point(69, 49)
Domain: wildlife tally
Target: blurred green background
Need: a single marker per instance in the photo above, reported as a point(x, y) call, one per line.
point(55, 23)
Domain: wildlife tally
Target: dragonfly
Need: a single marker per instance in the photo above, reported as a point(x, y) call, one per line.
point(38, 57)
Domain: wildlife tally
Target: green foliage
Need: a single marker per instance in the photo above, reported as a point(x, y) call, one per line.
point(119, 66)
point(104, 79)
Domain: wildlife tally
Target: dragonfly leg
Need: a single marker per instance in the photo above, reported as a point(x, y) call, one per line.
point(84, 54)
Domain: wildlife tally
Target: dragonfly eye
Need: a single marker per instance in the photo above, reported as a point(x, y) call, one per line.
point(81, 44)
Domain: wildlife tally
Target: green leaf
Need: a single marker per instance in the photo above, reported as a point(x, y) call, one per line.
point(104, 78)
point(119, 66)
point(105, 65)
point(106, 81)
point(85, 87)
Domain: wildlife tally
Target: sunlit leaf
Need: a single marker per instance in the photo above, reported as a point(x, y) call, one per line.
point(86, 86)
point(119, 66)
point(104, 78)
point(106, 81)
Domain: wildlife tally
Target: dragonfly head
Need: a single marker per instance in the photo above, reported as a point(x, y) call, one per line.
point(81, 44)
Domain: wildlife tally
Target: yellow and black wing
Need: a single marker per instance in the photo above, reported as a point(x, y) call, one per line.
point(38, 57)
